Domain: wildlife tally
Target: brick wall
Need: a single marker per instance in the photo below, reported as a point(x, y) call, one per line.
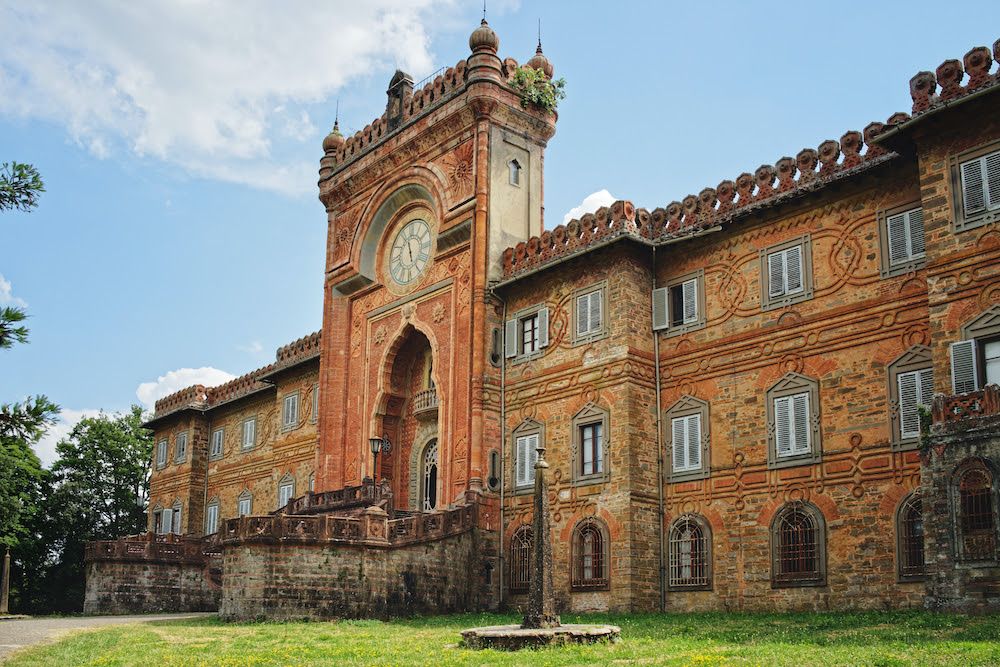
point(140, 587)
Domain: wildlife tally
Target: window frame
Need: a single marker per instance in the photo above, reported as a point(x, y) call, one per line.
point(786, 580)
point(917, 358)
point(601, 331)
point(767, 302)
point(789, 385)
point(314, 417)
point(594, 583)
point(706, 538)
point(290, 423)
point(523, 540)
point(687, 406)
point(162, 446)
point(515, 172)
point(700, 321)
point(156, 515)
point(962, 555)
point(247, 497)
point(181, 453)
point(209, 506)
point(888, 268)
point(244, 447)
point(590, 414)
point(526, 429)
point(516, 354)
point(955, 162)
point(908, 573)
point(983, 328)
point(177, 517)
point(286, 482)
point(212, 454)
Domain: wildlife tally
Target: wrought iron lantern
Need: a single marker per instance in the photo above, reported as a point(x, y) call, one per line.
point(377, 445)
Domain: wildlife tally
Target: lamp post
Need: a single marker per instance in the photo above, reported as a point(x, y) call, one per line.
point(378, 445)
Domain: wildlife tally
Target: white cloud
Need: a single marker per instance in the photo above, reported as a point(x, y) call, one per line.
point(168, 383)
point(590, 203)
point(7, 297)
point(254, 347)
point(218, 88)
point(46, 447)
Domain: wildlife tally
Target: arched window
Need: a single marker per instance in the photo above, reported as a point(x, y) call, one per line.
point(690, 554)
point(977, 521)
point(520, 560)
point(244, 504)
point(493, 473)
point(590, 556)
point(798, 546)
point(910, 538)
point(514, 172)
point(430, 475)
point(286, 490)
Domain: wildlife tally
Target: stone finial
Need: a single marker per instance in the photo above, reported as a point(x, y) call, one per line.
point(806, 162)
point(726, 192)
point(977, 63)
point(922, 87)
point(829, 153)
point(484, 39)
point(744, 187)
point(335, 140)
point(785, 167)
point(949, 76)
point(851, 144)
point(871, 131)
point(539, 61)
point(764, 177)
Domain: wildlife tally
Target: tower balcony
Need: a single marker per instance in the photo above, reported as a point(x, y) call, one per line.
point(425, 403)
point(949, 410)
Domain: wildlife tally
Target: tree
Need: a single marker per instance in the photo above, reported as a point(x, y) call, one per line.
point(10, 331)
point(20, 185)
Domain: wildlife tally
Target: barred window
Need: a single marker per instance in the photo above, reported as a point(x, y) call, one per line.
point(798, 549)
point(590, 560)
point(976, 514)
point(689, 551)
point(910, 538)
point(520, 560)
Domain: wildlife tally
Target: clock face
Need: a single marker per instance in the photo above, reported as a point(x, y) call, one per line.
point(411, 250)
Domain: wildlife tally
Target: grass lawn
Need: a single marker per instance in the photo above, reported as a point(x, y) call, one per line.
point(891, 638)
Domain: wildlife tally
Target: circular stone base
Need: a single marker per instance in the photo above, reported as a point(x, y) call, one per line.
point(514, 637)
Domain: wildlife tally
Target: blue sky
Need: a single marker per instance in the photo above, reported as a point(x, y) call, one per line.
point(180, 238)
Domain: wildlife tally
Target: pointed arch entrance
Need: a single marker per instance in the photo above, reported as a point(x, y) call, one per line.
point(429, 477)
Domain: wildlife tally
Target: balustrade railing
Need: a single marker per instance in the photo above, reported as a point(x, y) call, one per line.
point(153, 547)
point(425, 401)
point(953, 409)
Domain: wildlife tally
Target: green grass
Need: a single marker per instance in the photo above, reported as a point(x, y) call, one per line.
point(883, 639)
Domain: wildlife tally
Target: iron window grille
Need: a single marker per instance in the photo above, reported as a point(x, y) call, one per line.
point(520, 560)
point(689, 555)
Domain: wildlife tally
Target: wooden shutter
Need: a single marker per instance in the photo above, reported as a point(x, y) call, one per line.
point(776, 274)
point(783, 426)
point(690, 295)
point(521, 464)
point(679, 442)
point(596, 308)
point(992, 180)
point(167, 522)
point(532, 456)
point(543, 328)
point(793, 269)
point(660, 297)
point(694, 442)
point(899, 250)
point(510, 339)
point(915, 226)
point(908, 385)
point(973, 193)
point(964, 374)
point(800, 405)
point(582, 314)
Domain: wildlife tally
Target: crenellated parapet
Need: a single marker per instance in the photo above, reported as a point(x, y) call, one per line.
point(304, 347)
point(955, 79)
point(195, 396)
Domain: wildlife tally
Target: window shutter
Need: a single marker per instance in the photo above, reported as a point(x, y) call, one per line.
point(909, 417)
point(776, 274)
point(915, 225)
point(898, 248)
point(522, 461)
point(993, 180)
point(690, 292)
point(510, 339)
point(783, 426)
point(964, 374)
point(925, 396)
point(694, 441)
point(800, 418)
point(973, 194)
point(660, 296)
point(543, 328)
point(582, 314)
point(793, 269)
point(167, 522)
point(679, 440)
point(532, 456)
point(596, 306)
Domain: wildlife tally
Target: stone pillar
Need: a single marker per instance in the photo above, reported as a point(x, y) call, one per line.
point(5, 585)
point(541, 599)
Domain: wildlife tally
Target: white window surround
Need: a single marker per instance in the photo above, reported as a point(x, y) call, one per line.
point(686, 443)
point(905, 231)
point(794, 432)
point(290, 411)
point(791, 420)
point(525, 458)
point(514, 171)
point(249, 435)
point(286, 490)
point(784, 271)
point(588, 314)
point(916, 389)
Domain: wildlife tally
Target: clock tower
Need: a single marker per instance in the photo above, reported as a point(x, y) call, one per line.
point(420, 205)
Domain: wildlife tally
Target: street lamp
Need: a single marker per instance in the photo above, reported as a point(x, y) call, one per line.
point(378, 445)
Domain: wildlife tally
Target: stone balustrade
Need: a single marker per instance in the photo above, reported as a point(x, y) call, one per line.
point(949, 410)
point(425, 402)
point(348, 498)
point(154, 548)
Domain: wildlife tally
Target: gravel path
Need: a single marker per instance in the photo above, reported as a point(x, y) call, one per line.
point(16, 634)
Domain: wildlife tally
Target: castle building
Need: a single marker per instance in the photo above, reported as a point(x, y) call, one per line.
point(779, 393)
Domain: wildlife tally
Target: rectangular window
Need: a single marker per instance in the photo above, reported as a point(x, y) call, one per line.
point(527, 456)
point(177, 520)
point(249, 433)
point(905, 232)
point(161, 453)
point(980, 184)
point(916, 388)
point(211, 519)
point(315, 403)
point(529, 334)
point(158, 522)
point(180, 447)
point(964, 373)
point(244, 506)
point(686, 439)
point(784, 271)
point(592, 448)
point(285, 493)
point(791, 424)
point(290, 411)
point(216, 450)
point(684, 303)
point(680, 306)
point(166, 522)
point(991, 361)
point(590, 313)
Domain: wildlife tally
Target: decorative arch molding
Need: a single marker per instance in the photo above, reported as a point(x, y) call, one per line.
point(426, 432)
point(984, 325)
point(974, 491)
point(590, 555)
point(798, 546)
point(689, 553)
point(384, 392)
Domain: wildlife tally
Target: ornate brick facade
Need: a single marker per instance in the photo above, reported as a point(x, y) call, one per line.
point(726, 387)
